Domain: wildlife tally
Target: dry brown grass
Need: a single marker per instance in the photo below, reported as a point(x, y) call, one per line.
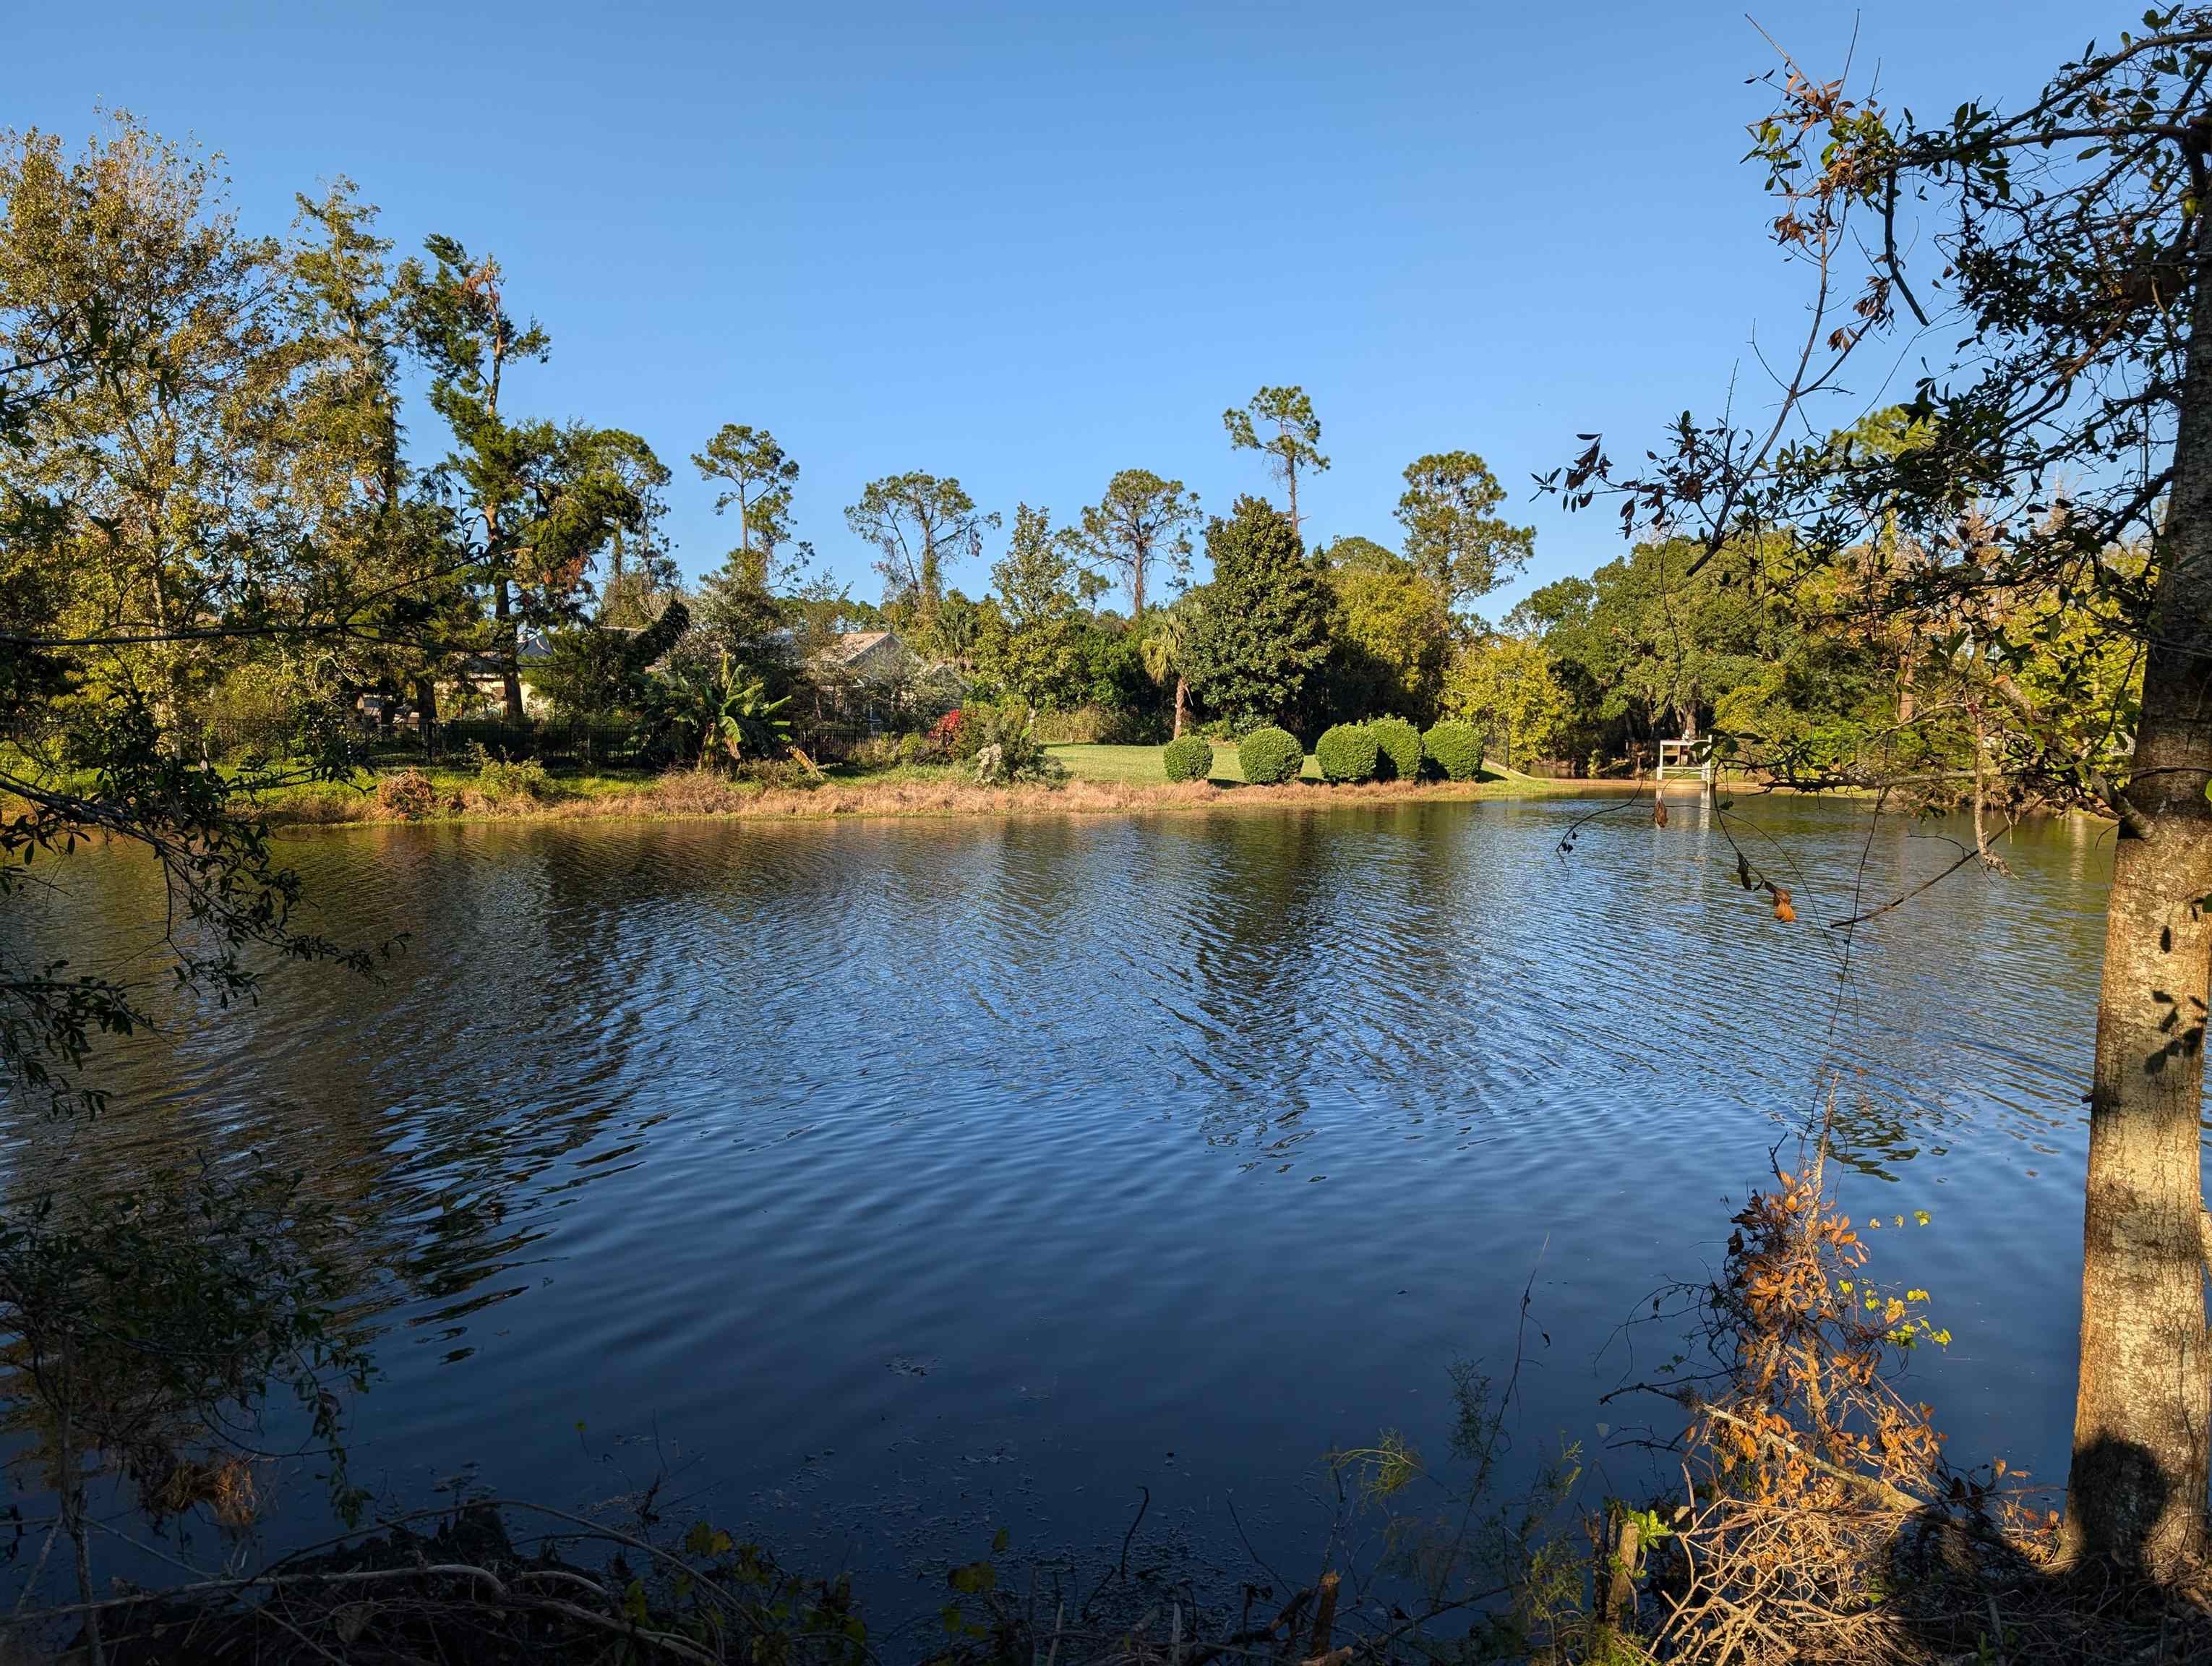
point(701, 793)
point(1820, 1519)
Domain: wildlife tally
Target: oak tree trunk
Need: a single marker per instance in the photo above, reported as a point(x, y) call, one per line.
point(2142, 1417)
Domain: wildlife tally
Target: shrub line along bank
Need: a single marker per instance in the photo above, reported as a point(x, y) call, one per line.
point(694, 795)
point(1013, 776)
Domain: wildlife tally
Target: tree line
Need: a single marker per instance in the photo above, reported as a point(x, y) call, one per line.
point(256, 466)
point(2001, 582)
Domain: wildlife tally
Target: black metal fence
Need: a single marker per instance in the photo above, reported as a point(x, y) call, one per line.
point(559, 744)
point(556, 743)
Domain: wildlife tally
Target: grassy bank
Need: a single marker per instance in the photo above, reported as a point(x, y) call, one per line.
point(1103, 781)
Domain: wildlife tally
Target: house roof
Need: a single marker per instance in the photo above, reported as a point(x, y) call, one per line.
point(847, 646)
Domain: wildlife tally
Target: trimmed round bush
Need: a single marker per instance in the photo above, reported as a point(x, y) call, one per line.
point(1270, 755)
point(1190, 758)
point(1454, 748)
point(1349, 751)
point(1401, 748)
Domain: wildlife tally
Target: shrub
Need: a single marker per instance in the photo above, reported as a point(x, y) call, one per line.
point(500, 778)
point(875, 751)
point(1095, 725)
point(408, 793)
point(1400, 744)
point(945, 733)
point(1270, 755)
point(970, 726)
point(1009, 749)
point(1348, 751)
point(1190, 758)
point(912, 749)
point(1454, 748)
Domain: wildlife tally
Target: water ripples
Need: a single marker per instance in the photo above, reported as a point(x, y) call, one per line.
point(945, 1167)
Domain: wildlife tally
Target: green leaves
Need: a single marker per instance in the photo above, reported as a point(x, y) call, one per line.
point(1142, 523)
point(1279, 423)
point(1259, 632)
point(1452, 538)
point(921, 524)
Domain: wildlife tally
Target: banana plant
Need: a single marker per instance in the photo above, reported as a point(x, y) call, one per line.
point(727, 713)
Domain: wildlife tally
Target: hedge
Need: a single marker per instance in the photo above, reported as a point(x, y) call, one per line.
point(1190, 758)
point(1270, 755)
point(1349, 751)
point(1454, 748)
point(1401, 748)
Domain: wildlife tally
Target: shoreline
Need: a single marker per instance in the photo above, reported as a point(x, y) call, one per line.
point(683, 797)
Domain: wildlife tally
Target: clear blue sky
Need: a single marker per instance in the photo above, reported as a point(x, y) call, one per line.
point(1032, 246)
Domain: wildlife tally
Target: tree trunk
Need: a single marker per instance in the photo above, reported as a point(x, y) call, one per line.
point(1183, 700)
point(426, 713)
point(1137, 590)
point(510, 667)
point(2143, 1416)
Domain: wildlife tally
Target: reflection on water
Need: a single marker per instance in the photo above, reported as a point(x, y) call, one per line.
point(905, 1177)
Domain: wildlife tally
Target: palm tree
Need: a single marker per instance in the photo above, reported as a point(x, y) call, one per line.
point(1166, 635)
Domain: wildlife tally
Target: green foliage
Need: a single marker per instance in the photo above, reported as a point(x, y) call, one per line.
point(919, 524)
point(1008, 750)
point(1270, 755)
point(1142, 523)
point(1258, 634)
point(1279, 423)
point(752, 598)
point(756, 478)
point(1454, 747)
point(591, 670)
point(1400, 743)
point(1390, 634)
point(546, 498)
point(504, 780)
point(964, 731)
point(1190, 758)
point(1029, 643)
point(1348, 752)
point(1452, 536)
point(1504, 684)
point(1097, 724)
point(724, 713)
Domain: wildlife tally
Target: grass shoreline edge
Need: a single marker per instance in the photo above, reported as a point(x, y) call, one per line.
point(1098, 785)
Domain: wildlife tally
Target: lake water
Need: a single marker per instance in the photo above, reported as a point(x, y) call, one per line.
point(889, 1183)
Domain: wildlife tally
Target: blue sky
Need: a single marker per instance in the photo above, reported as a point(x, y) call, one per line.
point(1032, 246)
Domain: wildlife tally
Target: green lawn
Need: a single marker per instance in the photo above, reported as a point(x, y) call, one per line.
point(1140, 765)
